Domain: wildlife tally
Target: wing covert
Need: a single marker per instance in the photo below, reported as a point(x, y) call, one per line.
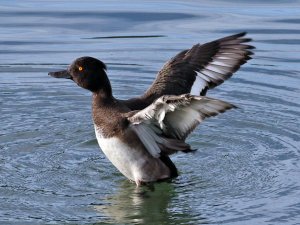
point(164, 125)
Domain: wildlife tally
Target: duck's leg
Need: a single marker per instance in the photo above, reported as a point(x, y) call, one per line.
point(138, 182)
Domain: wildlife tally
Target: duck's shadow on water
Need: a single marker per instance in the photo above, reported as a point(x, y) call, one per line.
point(143, 205)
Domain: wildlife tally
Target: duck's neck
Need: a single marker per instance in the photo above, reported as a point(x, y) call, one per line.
point(103, 97)
point(102, 90)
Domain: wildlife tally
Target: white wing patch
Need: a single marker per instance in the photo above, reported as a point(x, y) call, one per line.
point(198, 85)
point(232, 53)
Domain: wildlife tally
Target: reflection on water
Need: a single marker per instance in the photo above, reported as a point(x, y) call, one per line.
point(246, 168)
point(138, 205)
point(146, 205)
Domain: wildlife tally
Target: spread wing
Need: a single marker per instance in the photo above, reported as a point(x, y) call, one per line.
point(198, 69)
point(164, 125)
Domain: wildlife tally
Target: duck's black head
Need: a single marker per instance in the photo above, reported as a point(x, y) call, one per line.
point(88, 73)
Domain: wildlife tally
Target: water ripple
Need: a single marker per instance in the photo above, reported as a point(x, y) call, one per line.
point(246, 165)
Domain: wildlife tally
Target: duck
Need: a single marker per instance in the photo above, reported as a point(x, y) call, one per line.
point(139, 135)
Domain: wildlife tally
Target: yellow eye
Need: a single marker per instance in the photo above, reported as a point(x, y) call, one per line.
point(80, 68)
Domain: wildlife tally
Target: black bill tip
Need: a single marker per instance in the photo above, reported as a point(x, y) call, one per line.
point(61, 74)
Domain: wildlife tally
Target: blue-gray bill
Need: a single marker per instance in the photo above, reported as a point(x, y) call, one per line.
point(61, 74)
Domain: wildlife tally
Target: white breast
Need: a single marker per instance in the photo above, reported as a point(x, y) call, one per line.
point(120, 154)
point(134, 163)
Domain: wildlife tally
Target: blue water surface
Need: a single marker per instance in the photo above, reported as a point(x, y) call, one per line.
point(246, 169)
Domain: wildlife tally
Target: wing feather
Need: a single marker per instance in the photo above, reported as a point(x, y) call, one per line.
point(223, 56)
point(164, 125)
point(197, 69)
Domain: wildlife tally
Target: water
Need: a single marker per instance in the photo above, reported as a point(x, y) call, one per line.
point(246, 170)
